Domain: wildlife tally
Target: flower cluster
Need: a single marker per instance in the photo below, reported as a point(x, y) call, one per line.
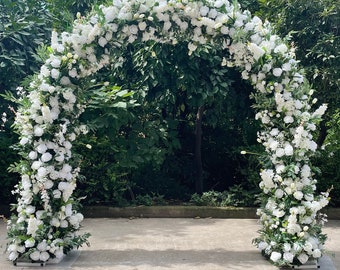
point(46, 222)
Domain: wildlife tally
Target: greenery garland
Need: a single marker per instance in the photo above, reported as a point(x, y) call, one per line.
point(46, 222)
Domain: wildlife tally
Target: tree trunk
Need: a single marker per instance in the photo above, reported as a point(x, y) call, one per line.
point(198, 151)
point(322, 134)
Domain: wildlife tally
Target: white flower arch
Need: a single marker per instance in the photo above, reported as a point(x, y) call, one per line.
point(46, 222)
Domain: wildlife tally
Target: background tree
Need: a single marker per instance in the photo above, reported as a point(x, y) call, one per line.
point(314, 27)
point(146, 143)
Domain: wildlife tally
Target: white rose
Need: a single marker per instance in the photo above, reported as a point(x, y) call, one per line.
point(142, 26)
point(313, 146)
point(44, 256)
point(262, 245)
point(46, 157)
point(13, 255)
point(279, 193)
point(55, 62)
point(273, 145)
point(286, 67)
point(317, 253)
point(55, 222)
point(288, 119)
point(102, 41)
point(29, 242)
point(23, 141)
point(48, 184)
point(282, 48)
point(303, 258)
point(59, 253)
point(42, 246)
point(275, 256)
point(36, 165)
point(68, 210)
point(298, 195)
point(60, 157)
point(56, 194)
point(73, 73)
point(38, 131)
point(30, 209)
point(80, 217)
point(55, 73)
point(280, 152)
point(204, 11)
point(289, 257)
point(33, 155)
point(42, 172)
point(64, 224)
point(73, 220)
point(218, 4)
point(35, 256)
point(65, 80)
point(277, 72)
point(289, 150)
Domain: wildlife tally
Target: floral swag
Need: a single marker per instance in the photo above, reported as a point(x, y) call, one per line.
point(46, 222)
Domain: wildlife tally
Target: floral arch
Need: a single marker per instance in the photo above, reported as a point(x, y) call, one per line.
point(46, 222)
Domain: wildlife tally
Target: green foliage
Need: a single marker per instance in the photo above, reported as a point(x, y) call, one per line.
point(8, 156)
point(24, 25)
point(332, 141)
point(329, 159)
point(235, 196)
point(149, 200)
point(252, 5)
point(65, 11)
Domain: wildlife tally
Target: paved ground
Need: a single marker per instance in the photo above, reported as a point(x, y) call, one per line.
point(181, 244)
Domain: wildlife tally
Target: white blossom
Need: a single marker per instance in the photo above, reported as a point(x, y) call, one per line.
point(303, 258)
point(275, 256)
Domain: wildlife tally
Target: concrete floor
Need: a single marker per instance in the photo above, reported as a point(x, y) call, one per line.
point(164, 243)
